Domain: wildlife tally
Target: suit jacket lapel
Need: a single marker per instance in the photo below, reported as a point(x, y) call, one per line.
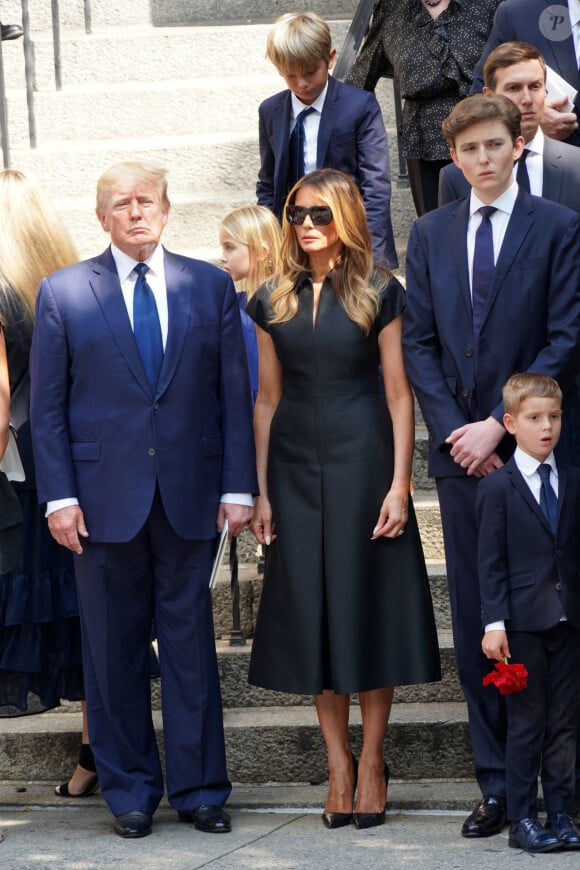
point(327, 121)
point(107, 289)
point(552, 175)
point(562, 486)
point(458, 240)
point(180, 285)
point(518, 227)
point(280, 137)
point(524, 490)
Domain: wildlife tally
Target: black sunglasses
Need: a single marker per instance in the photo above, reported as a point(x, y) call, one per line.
point(320, 215)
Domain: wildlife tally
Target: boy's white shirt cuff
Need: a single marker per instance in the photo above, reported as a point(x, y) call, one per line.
point(495, 626)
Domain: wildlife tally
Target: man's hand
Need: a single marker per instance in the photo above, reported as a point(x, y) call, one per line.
point(66, 524)
point(556, 122)
point(495, 645)
point(237, 515)
point(474, 443)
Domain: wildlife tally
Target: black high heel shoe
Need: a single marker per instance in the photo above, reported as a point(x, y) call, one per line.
point(372, 820)
point(340, 820)
point(86, 761)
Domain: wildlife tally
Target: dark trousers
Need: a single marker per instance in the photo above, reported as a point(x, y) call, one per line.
point(485, 706)
point(424, 182)
point(122, 588)
point(543, 720)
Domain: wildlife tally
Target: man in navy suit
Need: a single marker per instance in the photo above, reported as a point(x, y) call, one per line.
point(142, 432)
point(554, 28)
point(493, 287)
point(329, 124)
point(528, 558)
point(517, 70)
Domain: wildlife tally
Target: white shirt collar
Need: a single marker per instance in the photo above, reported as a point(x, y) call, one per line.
point(505, 202)
point(125, 264)
point(298, 106)
point(528, 465)
point(536, 145)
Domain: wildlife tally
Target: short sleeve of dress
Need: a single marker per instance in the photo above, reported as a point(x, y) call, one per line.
point(258, 308)
point(392, 298)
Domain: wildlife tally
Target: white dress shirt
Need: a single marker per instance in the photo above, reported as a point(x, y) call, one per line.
point(499, 222)
point(574, 10)
point(311, 126)
point(156, 279)
point(528, 468)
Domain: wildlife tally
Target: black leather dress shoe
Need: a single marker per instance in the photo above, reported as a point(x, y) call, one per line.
point(562, 825)
point(132, 824)
point(11, 31)
point(530, 835)
point(209, 819)
point(487, 819)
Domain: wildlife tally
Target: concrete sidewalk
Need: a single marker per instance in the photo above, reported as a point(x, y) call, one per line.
point(41, 835)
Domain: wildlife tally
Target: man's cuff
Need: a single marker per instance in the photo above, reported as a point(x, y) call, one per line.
point(245, 498)
point(495, 626)
point(52, 506)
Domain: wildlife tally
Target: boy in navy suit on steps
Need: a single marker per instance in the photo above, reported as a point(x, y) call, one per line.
point(529, 562)
point(321, 122)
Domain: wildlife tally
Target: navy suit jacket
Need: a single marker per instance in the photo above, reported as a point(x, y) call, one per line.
point(526, 575)
point(529, 21)
point(99, 431)
point(352, 138)
point(531, 321)
point(560, 182)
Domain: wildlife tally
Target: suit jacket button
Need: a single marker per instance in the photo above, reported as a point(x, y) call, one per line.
point(156, 406)
point(559, 553)
point(558, 587)
point(151, 451)
point(465, 393)
point(468, 352)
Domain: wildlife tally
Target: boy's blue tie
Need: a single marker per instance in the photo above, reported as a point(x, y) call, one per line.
point(146, 326)
point(548, 499)
point(483, 266)
point(296, 152)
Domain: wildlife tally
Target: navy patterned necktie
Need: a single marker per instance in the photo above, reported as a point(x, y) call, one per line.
point(146, 326)
point(548, 498)
point(296, 148)
point(522, 176)
point(483, 266)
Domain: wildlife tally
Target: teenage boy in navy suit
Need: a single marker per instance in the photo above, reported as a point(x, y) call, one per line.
point(493, 287)
point(529, 580)
point(320, 122)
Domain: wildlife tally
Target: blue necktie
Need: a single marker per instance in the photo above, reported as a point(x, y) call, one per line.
point(296, 148)
point(146, 326)
point(548, 499)
point(522, 175)
point(483, 266)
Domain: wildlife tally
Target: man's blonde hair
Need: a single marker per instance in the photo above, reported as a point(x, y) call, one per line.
point(299, 39)
point(132, 173)
point(528, 385)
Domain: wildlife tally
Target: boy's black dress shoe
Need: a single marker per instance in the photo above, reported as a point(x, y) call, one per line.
point(11, 31)
point(208, 818)
point(487, 819)
point(562, 825)
point(530, 835)
point(132, 824)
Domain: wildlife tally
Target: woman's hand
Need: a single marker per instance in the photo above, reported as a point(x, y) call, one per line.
point(261, 523)
point(392, 516)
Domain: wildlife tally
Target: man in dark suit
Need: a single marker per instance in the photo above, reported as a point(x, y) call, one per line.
point(141, 420)
point(493, 287)
point(549, 168)
point(555, 30)
point(342, 128)
point(528, 557)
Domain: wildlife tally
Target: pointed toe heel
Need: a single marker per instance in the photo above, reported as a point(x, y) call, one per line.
point(340, 820)
point(372, 820)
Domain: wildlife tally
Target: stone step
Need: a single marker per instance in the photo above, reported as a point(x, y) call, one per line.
point(275, 744)
point(71, 13)
point(178, 12)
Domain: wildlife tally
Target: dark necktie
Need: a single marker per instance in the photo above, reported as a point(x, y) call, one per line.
point(522, 177)
point(296, 148)
point(146, 326)
point(548, 499)
point(483, 266)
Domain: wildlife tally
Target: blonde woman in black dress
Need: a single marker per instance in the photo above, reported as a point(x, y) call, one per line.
point(346, 605)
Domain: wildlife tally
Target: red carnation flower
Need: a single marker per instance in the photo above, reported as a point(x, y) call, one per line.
point(507, 678)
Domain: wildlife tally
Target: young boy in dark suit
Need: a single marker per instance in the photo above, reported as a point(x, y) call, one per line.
point(529, 561)
point(320, 122)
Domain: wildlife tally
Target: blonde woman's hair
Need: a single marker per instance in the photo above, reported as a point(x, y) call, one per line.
point(527, 385)
point(354, 280)
point(256, 227)
point(299, 39)
point(33, 240)
point(130, 174)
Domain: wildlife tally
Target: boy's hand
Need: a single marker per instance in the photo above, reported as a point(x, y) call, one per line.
point(495, 645)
